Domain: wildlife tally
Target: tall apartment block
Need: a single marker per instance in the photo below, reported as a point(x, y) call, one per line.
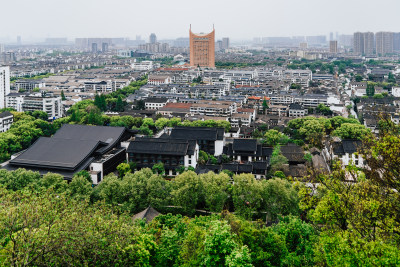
point(153, 38)
point(225, 43)
point(364, 43)
point(202, 49)
point(4, 85)
point(345, 40)
point(333, 47)
point(396, 41)
point(303, 45)
point(93, 44)
point(384, 43)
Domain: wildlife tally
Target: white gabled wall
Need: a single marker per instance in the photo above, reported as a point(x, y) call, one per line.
point(97, 167)
point(219, 147)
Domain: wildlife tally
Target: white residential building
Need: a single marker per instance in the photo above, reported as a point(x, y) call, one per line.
point(22, 103)
point(6, 119)
point(143, 66)
point(155, 103)
point(346, 151)
point(159, 79)
point(29, 85)
point(4, 85)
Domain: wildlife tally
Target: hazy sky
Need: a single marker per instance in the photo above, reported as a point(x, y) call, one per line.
point(171, 18)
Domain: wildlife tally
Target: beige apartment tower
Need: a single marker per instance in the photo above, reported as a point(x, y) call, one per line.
point(384, 43)
point(333, 47)
point(202, 49)
point(364, 43)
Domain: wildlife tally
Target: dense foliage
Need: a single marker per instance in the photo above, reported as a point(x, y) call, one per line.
point(329, 222)
point(314, 130)
point(323, 67)
point(25, 130)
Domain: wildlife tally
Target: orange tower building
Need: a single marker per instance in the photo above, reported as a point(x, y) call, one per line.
point(202, 49)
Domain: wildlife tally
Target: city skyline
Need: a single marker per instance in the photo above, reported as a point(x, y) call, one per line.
point(171, 19)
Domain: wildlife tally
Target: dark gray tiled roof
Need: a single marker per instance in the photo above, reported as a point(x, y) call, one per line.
point(295, 106)
point(70, 150)
point(57, 153)
point(156, 100)
point(5, 114)
point(293, 153)
point(260, 165)
point(247, 168)
point(267, 151)
point(106, 134)
point(248, 145)
point(156, 146)
point(346, 146)
point(198, 133)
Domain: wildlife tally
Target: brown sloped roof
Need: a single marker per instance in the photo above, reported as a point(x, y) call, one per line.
point(148, 214)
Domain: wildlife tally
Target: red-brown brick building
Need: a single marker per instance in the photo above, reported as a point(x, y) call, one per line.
point(202, 49)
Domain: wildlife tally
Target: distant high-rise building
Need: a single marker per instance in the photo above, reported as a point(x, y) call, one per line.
point(138, 37)
point(94, 48)
point(331, 36)
point(153, 38)
point(81, 42)
point(303, 45)
point(396, 41)
point(384, 43)
point(257, 40)
point(56, 41)
point(364, 43)
point(345, 40)
point(4, 85)
point(7, 57)
point(155, 48)
point(87, 43)
point(104, 47)
point(225, 43)
point(19, 40)
point(316, 40)
point(202, 49)
point(181, 42)
point(358, 40)
point(218, 45)
point(2, 50)
point(333, 47)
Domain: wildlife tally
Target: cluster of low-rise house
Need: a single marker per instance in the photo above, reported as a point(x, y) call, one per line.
point(247, 98)
point(45, 94)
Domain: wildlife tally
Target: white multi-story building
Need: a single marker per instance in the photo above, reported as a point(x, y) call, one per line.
point(158, 79)
point(213, 108)
point(347, 151)
point(143, 66)
point(6, 119)
point(155, 102)
point(22, 103)
point(240, 119)
point(4, 85)
point(29, 85)
point(98, 86)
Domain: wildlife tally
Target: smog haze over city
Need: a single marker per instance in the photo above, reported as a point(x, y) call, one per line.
point(241, 20)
